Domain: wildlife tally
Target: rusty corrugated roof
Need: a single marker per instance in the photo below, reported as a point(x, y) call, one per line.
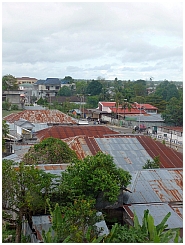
point(63, 132)
point(155, 186)
point(41, 116)
point(79, 145)
point(169, 158)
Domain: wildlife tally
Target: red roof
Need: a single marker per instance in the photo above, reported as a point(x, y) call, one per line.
point(63, 132)
point(146, 106)
point(40, 116)
point(108, 104)
point(127, 111)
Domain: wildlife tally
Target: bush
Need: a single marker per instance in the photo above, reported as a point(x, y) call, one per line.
point(6, 105)
point(14, 107)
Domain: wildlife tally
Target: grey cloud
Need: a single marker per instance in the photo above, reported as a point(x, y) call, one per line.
point(66, 34)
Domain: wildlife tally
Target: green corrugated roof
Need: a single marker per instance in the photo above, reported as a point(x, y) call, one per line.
point(130, 118)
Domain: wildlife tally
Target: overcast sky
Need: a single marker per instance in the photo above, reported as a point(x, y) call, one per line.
point(124, 40)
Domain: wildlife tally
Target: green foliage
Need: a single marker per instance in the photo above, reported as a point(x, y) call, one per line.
point(9, 82)
point(94, 88)
point(167, 90)
point(42, 101)
point(152, 164)
point(81, 87)
point(8, 234)
point(156, 101)
point(73, 223)
point(173, 114)
point(5, 131)
point(50, 151)
point(64, 91)
point(147, 232)
point(94, 175)
point(14, 107)
point(5, 128)
point(24, 189)
point(92, 101)
point(6, 105)
point(140, 88)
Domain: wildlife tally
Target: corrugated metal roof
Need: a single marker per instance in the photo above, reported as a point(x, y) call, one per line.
point(53, 168)
point(169, 158)
point(41, 116)
point(178, 209)
point(128, 153)
point(13, 157)
point(158, 212)
point(63, 132)
point(79, 145)
point(155, 185)
point(40, 126)
point(150, 118)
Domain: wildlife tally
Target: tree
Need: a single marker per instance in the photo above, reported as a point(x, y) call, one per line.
point(67, 227)
point(94, 88)
point(81, 87)
point(64, 91)
point(5, 131)
point(173, 114)
point(118, 100)
point(68, 79)
point(50, 151)
point(92, 101)
point(156, 101)
point(9, 82)
point(24, 190)
point(93, 176)
point(125, 104)
point(6, 105)
point(74, 223)
point(140, 88)
point(152, 164)
point(42, 101)
point(167, 90)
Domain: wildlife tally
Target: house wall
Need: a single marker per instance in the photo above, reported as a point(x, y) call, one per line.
point(19, 130)
point(14, 99)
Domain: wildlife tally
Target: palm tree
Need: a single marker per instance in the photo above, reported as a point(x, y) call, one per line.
point(125, 105)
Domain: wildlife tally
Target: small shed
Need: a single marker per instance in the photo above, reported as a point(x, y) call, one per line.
point(24, 128)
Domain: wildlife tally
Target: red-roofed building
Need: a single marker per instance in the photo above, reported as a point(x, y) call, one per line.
point(110, 107)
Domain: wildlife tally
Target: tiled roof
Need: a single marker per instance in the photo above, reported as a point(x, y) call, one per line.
point(41, 116)
point(52, 81)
